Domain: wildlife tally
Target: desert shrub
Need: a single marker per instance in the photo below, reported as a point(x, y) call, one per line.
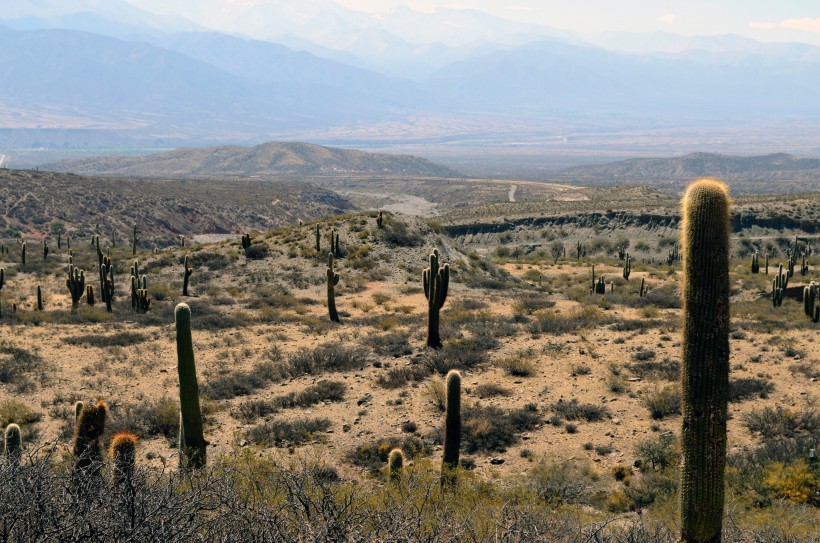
point(147, 419)
point(399, 234)
point(242, 383)
point(332, 356)
point(520, 364)
point(459, 354)
point(664, 402)
point(579, 369)
point(435, 392)
point(490, 429)
point(529, 303)
point(490, 390)
point(667, 369)
point(257, 251)
point(808, 369)
point(661, 451)
point(744, 388)
point(643, 354)
point(393, 344)
point(207, 259)
point(399, 377)
point(373, 455)
point(782, 423)
point(284, 433)
point(574, 410)
point(17, 412)
point(120, 339)
point(323, 391)
point(250, 410)
point(556, 322)
point(564, 482)
point(797, 482)
point(409, 427)
point(17, 363)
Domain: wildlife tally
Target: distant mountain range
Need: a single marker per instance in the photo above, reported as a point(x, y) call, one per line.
point(105, 73)
point(766, 173)
point(269, 159)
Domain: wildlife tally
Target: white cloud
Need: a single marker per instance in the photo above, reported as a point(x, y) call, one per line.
point(806, 24)
point(668, 18)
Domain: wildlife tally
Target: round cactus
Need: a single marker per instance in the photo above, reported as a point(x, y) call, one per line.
point(14, 444)
point(395, 464)
point(123, 453)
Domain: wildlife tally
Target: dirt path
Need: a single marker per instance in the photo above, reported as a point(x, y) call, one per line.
point(513, 188)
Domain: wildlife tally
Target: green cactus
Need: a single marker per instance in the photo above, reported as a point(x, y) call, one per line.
point(246, 242)
point(318, 239)
point(123, 453)
point(75, 284)
point(622, 254)
point(192, 444)
point(39, 298)
point(332, 281)
point(755, 263)
point(705, 372)
point(107, 286)
point(89, 429)
point(142, 300)
point(134, 241)
point(452, 427)
point(23, 254)
point(187, 271)
point(14, 444)
point(78, 408)
point(395, 465)
point(767, 263)
point(600, 286)
point(810, 299)
point(816, 317)
point(592, 290)
point(89, 294)
point(642, 291)
point(436, 284)
point(59, 240)
point(627, 266)
point(380, 221)
point(45, 250)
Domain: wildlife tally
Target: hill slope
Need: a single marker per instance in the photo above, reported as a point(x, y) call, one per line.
point(765, 173)
point(272, 158)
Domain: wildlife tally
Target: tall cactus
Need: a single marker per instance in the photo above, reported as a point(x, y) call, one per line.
point(452, 426)
point(627, 266)
point(88, 430)
point(755, 263)
point(318, 239)
point(332, 281)
point(2, 283)
point(134, 241)
point(23, 254)
point(89, 294)
point(39, 298)
point(380, 221)
point(642, 291)
point(705, 375)
point(186, 275)
point(76, 284)
point(107, 284)
point(436, 283)
point(192, 444)
point(14, 444)
point(45, 250)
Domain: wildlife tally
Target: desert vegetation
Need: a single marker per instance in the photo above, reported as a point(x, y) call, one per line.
point(372, 376)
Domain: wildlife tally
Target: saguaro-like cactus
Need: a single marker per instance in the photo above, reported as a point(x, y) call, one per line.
point(755, 263)
point(14, 444)
point(134, 241)
point(187, 271)
point(705, 375)
point(332, 281)
point(89, 294)
point(89, 428)
point(76, 284)
point(642, 292)
point(123, 452)
point(452, 426)
point(192, 444)
point(39, 298)
point(318, 239)
point(627, 266)
point(380, 221)
point(45, 250)
point(23, 254)
point(436, 283)
point(395, 465)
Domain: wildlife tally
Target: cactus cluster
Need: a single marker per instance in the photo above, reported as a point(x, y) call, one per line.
point(436, 282)
point(580, 250)
point(674, 255)
point(335, 247)
point(192, 444)
point(140, 301)
point(246, 242)
point(622, 254)
point(332, 281)
point(755, 263)
point(779, 284)
point(76, 284)
point(705, 367)
point(599, 285)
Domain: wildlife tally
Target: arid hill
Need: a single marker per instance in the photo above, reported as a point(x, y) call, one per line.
point(268, 159)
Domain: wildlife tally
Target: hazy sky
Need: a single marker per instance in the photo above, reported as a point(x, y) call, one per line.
point(798, 20)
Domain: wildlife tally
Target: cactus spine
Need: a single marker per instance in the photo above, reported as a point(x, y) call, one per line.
point(75, 284)
point(452, 427)
point(89, 428)
point(436, 283)
point(187, 271)
point(705, 375)
point(14, 444)
point(332, 281)
point(395, 465)
point(192, 444)
point(123, 452)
